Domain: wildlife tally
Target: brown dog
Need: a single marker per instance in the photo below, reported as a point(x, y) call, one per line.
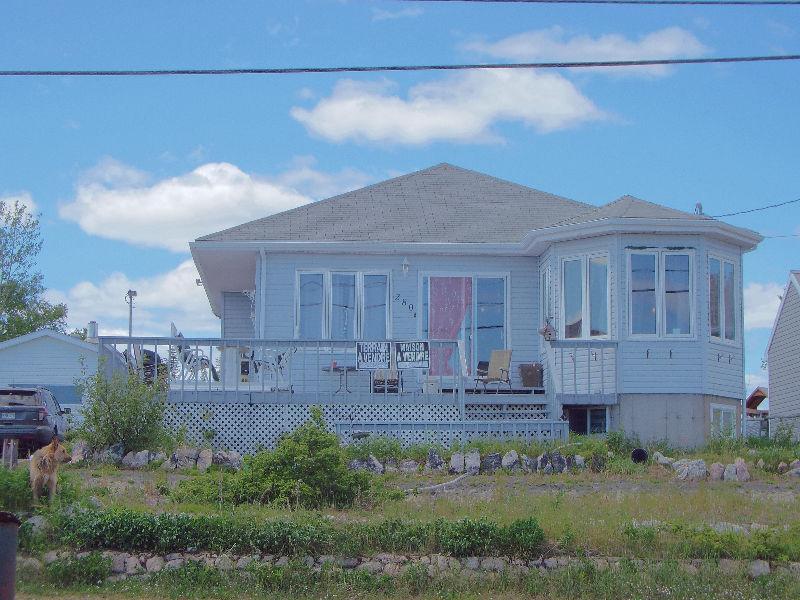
point(43, 468)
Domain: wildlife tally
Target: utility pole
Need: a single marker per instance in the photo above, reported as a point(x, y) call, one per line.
point(129, 300)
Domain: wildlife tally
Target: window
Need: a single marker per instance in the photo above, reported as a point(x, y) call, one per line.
point(585, 295)
point(661, 293)
point(471, 309)
point(342, 306)
point(722, 299)
point(723, 420)
point(585, 420)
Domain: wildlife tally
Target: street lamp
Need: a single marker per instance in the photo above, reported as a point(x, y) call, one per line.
point(129, 300)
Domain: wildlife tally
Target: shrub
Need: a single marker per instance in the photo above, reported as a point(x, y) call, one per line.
point(381, 447)
point(524, 537)
point(308, 468)
point(91, 569)
point(124, 409)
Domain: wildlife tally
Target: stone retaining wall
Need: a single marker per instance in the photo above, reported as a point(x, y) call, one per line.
point(125, 565)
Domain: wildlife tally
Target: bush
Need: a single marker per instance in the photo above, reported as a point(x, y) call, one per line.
point(132, 531)
point(123, 410)
point(91, 569)
point(308, 468)
point(381, 447)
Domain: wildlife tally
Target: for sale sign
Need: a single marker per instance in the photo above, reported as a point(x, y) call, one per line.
point(372, 355)
point(412, 355)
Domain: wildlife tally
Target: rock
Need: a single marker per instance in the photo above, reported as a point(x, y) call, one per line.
point(136, 460)
point(690, 470)
point(760, 463)
point(282, 561)
point(348, 562)
point(111, 455)
point(456, 463)
point(579, 462)
point(662, 460)
point(795, 464)
point(435, 462)
point(716, 471)
point(472, 462)
point(154, 564)
point(245, 561)
point(793, 473)
point(370, 464)
point(229, 459)
point(730, 473)
point(38, 524)
point(757, 568)
point(408, 466)
point(204, 460)
point(782, 467)
point(132, 565)
point(185, 457)
point(597, 463)
point(558, 461)
point(491, 462)
point(168, 464)
point(510, 460)
point(175, 563)
point(52, 556)
point(528, 464)
point(30, 564)
point(373, 567)
point(729, 566)
point(118, 562)
point(742, 472)
point(116, 578)
point(158, 457)
point(80, 452)
point(173, 556)
point(225, 563)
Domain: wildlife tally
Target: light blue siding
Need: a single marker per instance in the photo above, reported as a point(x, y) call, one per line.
point(237, 321)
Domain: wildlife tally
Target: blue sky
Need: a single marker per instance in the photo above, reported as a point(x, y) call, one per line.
point(126, 171)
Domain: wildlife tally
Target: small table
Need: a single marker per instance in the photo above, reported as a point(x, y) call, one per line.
point(342, 371)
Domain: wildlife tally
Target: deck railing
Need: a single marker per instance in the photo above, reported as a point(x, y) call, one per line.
point(294, 371)
point(583, 371)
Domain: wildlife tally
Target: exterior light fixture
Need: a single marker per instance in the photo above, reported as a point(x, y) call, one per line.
point(405, 265)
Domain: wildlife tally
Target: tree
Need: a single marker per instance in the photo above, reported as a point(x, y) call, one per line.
point(23, 308)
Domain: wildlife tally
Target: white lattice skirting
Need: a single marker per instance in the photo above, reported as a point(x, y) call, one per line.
point(247, 427)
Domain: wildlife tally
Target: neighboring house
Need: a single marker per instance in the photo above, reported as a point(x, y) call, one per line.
point(640, 307)
point(48, 359)
point(756, 419)
point(783, 360)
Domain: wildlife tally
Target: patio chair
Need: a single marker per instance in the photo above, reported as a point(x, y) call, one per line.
point(386, 380)
point(497, 370)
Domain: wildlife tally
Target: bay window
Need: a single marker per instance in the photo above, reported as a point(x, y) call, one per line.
point(342, 305)
point(722, 298)
point(585, 296)
point(660, 293)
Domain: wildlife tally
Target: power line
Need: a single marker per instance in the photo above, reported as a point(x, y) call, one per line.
point(638, 2)
point(752, 210)
point(384, 68)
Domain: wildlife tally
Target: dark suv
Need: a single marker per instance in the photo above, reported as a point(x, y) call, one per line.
point(32, 415)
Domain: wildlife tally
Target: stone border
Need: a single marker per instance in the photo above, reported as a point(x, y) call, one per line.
point(125, 565)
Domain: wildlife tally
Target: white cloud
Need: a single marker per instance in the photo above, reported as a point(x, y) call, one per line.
point(554, 44)
point(171, 296)
point(379, 14)
point(458, 108)
point(23, 198)
point(761, 302)
point(119, 202)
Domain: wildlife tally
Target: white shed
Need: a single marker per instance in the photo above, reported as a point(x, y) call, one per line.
point(49, 359)
point(783, 359)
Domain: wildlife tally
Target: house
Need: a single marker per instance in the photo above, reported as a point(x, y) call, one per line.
point(48, 359)
point(756, 418)
point(632, 310)
point(783, 360)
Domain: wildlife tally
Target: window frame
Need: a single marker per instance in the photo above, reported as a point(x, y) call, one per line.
point(327, 293)
point(721, 339)
point(586, 325)
point(722, 408)
point(475, 275)
point(661, 314)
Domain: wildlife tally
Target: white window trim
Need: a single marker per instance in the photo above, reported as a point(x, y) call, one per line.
point(327, 293)
point(661, 319)
point(545, 301)
point(723, 408)
point(737, 338)
point(506, 275)
point(586, 326)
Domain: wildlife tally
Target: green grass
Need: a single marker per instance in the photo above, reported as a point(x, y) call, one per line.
point(629, 582)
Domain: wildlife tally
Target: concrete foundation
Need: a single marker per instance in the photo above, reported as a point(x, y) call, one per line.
point(683, 420)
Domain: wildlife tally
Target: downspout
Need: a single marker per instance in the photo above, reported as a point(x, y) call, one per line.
point(262, 295)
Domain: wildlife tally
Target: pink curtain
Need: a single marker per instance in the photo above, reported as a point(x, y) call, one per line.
point(451, 302)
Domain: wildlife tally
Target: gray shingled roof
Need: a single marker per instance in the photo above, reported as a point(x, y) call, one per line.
point(443, 203)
